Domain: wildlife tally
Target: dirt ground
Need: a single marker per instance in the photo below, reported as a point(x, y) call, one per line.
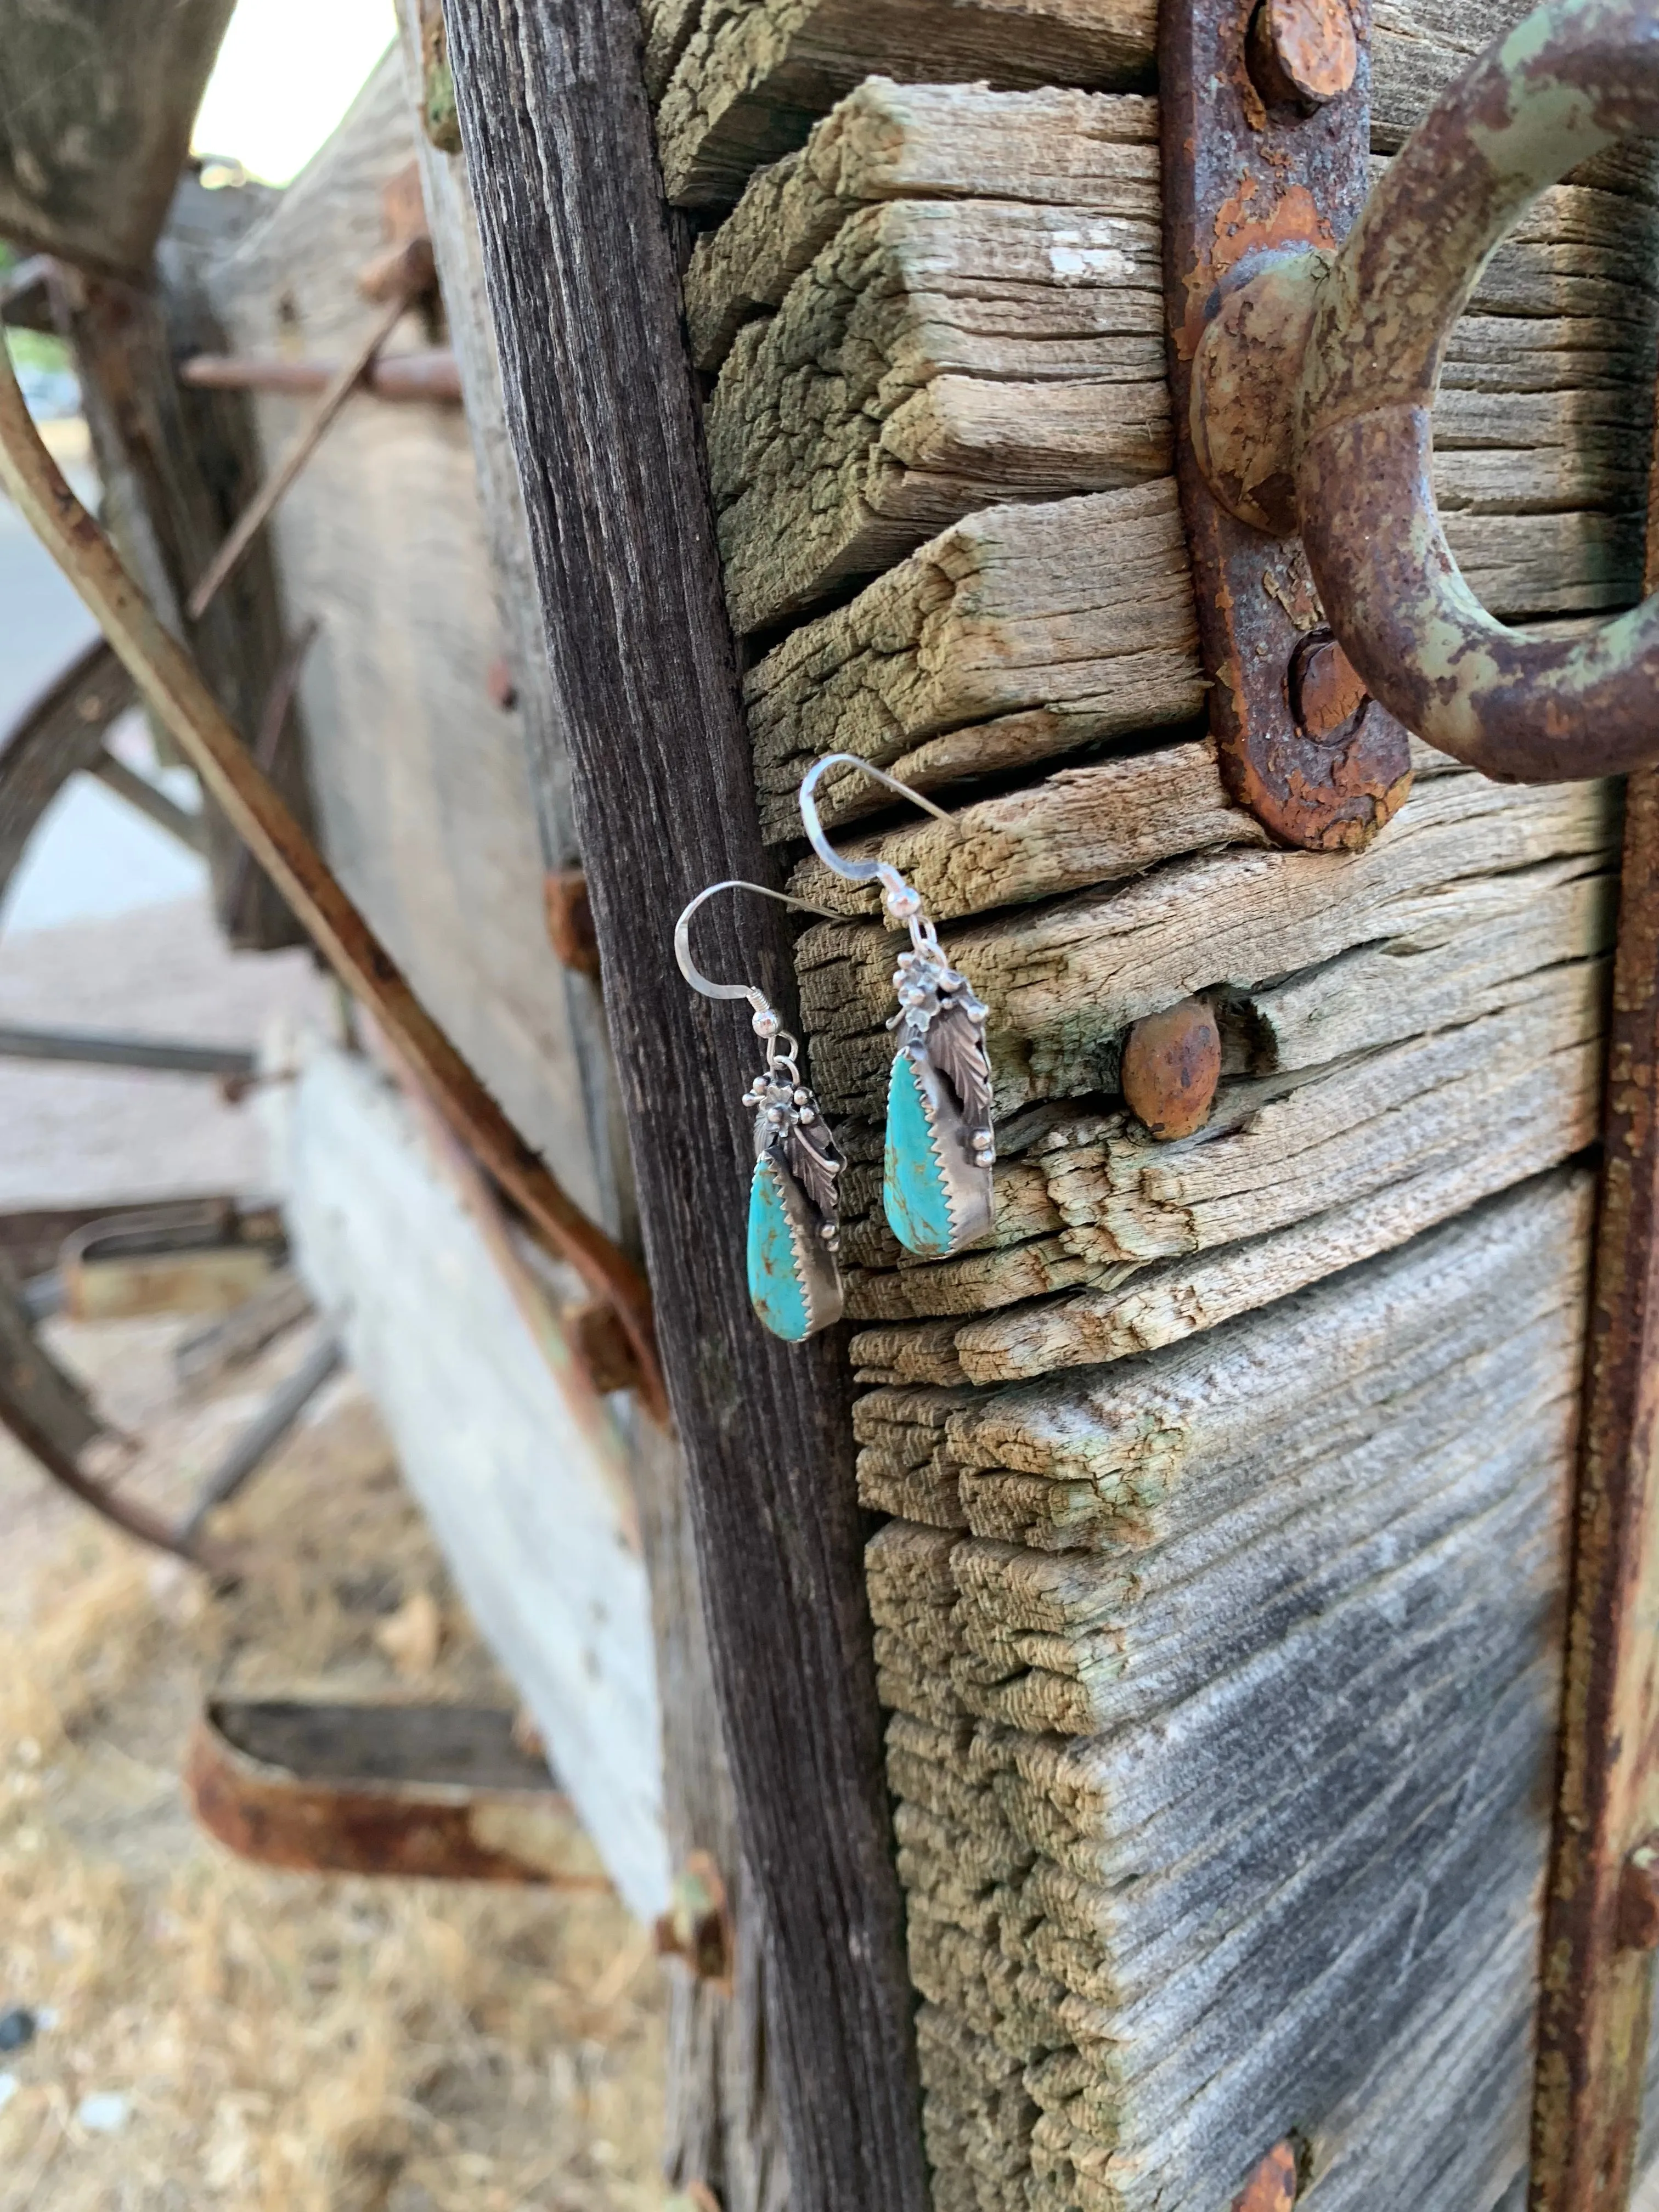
point(211, 2034)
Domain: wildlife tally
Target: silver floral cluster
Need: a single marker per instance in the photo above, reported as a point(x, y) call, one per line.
point(941, 1012)
point(787, 1119)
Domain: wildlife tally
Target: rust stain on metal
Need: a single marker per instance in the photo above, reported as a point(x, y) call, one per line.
point(1171, 1065)
point(696, 1928)
point(1272, 2184)
point(1256, 194)
point(421, 1792)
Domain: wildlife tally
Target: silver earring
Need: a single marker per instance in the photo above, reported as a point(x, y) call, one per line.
point(794, 1282)
point(936, 1186)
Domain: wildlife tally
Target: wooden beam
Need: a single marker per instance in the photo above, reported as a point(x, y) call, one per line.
point(58, 733)
point(602, 408)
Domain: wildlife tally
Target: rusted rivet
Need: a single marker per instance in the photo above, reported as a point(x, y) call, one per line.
point(601, 1343)
point(1171, 1065)
point(1271, 2184)
point(1638, 1898)
point(570, 929)
point(1302, 51)
point(1326, 695)
point(697, 1926)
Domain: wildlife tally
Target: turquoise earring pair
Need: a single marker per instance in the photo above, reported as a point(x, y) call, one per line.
point(939, 1149)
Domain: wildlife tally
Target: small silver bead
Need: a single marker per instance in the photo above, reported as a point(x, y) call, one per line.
point(803, 1098)
point(767, 1024)
point(807, 1116)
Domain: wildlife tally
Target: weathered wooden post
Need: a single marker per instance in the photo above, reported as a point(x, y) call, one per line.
point(601, 400)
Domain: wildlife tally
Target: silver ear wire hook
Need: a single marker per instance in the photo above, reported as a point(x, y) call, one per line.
point(904, 903)
point(767, 1022)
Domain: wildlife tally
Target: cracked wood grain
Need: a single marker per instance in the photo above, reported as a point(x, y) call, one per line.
point(601, 409)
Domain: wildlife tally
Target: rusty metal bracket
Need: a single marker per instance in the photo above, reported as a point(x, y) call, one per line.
point(435, 1792)
point(1305, 379)
point(1265, 117)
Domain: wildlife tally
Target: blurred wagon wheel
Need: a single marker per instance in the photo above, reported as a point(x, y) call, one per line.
point(59, 735)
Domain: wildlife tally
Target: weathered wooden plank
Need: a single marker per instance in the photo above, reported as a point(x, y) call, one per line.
point(601, 408)
point(1028, 631)
point(939, 355)
point(755, 73)
point(96, 104)
point(1079, 826)
point(1139, 1309)
point(1063, 981)
point(719, 2125)
point(394, 1260)
point(1276, 1155)
point(1189, 2015)
point(1076, 614)
point(888, 140)
point(1158, 1446)
point(668, 25)
point(421, 782)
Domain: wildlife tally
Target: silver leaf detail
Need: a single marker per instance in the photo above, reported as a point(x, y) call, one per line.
point(956, 1045)
point(815, 1170)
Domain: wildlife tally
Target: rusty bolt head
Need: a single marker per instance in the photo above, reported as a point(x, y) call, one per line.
point(1272, 2185)
point(1638, 1898)
point(1326, 696)
point(1171, 1065)
point(1303, 53)
point(1246, 377)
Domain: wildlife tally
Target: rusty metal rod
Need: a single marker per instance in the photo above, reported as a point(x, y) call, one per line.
point(1596, 1988)
point(253, 517)
point(247, 1452)
point(111, 1048)
point(432, 375)
point(172, 686)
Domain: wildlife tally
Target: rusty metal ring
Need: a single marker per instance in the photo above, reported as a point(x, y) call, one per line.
point(1576, 77)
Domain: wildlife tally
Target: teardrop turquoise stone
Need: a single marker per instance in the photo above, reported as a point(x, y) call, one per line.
point(776, 1290)
point(912, 1189)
